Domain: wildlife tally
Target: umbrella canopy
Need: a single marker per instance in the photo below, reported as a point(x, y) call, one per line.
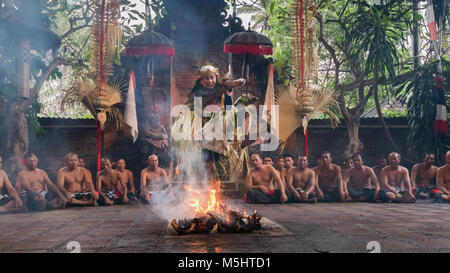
point(149, 43)
point(248, 42)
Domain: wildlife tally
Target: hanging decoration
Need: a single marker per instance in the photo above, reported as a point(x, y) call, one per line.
point(303, 99)
point(92, 88)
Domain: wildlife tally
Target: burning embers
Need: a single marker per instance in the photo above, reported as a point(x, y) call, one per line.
point(214, 216)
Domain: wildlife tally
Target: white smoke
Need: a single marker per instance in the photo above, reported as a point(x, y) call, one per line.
point(174, 202)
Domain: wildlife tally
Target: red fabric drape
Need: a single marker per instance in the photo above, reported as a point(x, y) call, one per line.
point(248, 48)
point(99, 145)
point(306, 142)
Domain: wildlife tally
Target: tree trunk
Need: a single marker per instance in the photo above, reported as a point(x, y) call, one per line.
point(16, 142)
point(355, 144)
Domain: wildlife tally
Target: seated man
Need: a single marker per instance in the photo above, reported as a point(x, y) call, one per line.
point(261, 190)
point(288, 162)
point(153, 178)
point(9, 202)
point(358, 180)
point(381, 161)
point(329, 185)
point(127, 178)
point(82, 164)
point(301, 182)
point(72, 179)
point(33, 184)
point(268, 161)
point(111, 189)
point(346, 165)
point(443, 180)
point(395, 183)
point(423, 178)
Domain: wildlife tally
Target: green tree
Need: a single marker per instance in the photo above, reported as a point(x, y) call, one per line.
point(261, 12)
point(57, 32)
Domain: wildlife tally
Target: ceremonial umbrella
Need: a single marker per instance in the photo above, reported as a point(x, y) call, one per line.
point(149, 43)
point(247, 42)
point(251, 42)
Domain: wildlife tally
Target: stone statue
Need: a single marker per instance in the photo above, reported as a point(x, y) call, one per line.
point(154, 139)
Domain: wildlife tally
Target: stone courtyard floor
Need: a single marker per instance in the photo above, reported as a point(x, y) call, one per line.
point(333, 227)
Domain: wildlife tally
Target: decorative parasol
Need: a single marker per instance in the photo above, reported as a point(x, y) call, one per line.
point(149, 43)
point(247, 42)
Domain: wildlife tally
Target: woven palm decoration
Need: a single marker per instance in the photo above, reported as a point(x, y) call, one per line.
point(303, 99)
point(92, 89)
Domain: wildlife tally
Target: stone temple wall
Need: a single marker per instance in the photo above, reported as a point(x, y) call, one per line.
point(79, 136)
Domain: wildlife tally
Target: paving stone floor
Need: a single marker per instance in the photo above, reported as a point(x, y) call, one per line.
point(333, 227)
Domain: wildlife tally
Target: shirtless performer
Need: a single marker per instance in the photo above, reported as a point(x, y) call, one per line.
point(127, 178)
point(288, 162)
point(153, 178)
point(268, 161)
point(111, 189)
point(82, 164)
point(358, 181)
point(301, 182)
point(423, 178)
point(261, 190)
point(33, 185)
point(329, 186)
point(72, 179)
point(443, 179)
point(395, 183)
point(279, 164)
point(9, 199)
point(381, 161)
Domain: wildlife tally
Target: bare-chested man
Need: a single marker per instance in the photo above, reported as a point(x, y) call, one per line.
point(9, 199)
point(329, 185)
point(346, 165)
point(268, 161)
point(72, 180)
point(288, 162)
point(279, 164)
point(423, 178)
point(301, 182)
point(153, 178)
point(381, 162)
point(358, 181)
point(82, 164)
point(395, 183)
point(127, 178)
point(261, 190)
point(110, 186)
point(443, 179)
point(33, 185)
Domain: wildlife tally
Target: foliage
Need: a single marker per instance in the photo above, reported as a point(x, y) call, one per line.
point(421, 94)
point(261, 13)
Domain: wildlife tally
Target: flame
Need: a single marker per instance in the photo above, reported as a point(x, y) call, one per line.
point(212, 205)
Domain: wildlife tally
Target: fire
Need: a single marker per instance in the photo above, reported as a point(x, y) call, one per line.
point(212, 205)
point(212, 214)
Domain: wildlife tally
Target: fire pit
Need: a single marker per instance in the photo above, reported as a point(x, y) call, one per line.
point(233, 221)
point(214, 216)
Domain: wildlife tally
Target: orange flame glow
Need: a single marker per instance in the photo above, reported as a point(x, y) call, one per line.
point(212, 205)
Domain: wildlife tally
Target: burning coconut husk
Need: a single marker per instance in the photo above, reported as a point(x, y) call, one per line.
point(232, 222)
point(214, 216)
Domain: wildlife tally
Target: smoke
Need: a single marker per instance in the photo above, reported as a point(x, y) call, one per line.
point(191, 184)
